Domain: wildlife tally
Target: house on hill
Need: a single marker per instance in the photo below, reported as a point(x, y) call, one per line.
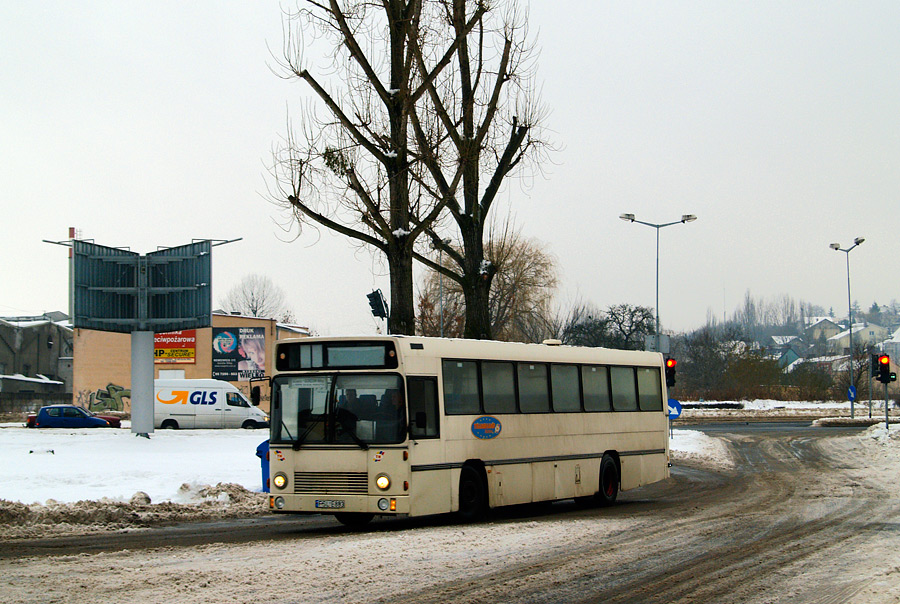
point(821, 328)
point(864, 334)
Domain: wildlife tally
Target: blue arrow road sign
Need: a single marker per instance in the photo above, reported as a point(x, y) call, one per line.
point(674, 409)
point(851, 393)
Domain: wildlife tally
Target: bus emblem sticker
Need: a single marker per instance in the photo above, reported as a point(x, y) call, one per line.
point(486, 427)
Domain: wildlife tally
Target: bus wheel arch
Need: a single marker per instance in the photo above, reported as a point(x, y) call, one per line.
point(473, 491)
point(169, 424)
point(610, 478)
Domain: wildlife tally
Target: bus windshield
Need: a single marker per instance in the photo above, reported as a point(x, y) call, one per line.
point(360, 409)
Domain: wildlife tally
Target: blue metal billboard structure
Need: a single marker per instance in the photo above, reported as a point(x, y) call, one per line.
point(123, 291)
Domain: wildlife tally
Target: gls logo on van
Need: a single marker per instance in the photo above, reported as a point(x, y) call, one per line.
point(197, 397)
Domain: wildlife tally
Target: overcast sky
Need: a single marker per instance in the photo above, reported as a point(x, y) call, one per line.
point(776, 123)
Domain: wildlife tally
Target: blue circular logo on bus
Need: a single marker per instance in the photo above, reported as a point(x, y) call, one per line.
point(486, 427)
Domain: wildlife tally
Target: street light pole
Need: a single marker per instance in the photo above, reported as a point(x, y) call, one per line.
point(444, 242)
point(837, 247)
point(684, 218)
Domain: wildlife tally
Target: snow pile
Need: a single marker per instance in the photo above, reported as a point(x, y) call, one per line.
point(697, 446)
point(888, 438)
point(19, 520)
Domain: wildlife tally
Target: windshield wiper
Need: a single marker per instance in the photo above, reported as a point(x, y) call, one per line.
point(288, 430)
point(347, 420)
point(296, 446)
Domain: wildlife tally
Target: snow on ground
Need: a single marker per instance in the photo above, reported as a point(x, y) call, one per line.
point(95, 463)
point(54, 481)
point(693, 444)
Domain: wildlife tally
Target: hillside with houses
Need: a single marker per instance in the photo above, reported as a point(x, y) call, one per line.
point(788, 355)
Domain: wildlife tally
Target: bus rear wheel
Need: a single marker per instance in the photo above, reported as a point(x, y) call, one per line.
point(609, 481)
point(354, 519)
point(169, 424)
point(472, 500)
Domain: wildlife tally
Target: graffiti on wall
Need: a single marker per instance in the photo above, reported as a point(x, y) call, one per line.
point(105, 399)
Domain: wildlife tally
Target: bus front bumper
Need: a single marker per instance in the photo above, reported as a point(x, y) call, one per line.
point(336, 504)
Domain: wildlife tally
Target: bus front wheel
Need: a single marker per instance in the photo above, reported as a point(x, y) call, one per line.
point(472, 500)
point(609, 481)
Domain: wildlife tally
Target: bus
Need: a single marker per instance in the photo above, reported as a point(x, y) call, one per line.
point(412, 426)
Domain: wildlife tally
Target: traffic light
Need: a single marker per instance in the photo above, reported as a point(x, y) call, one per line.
point(376, 303)
point(885, 375)
point(670, 372)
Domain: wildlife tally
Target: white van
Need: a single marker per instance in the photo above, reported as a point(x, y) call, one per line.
point(203, 404)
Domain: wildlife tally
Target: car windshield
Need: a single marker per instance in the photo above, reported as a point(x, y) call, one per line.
point(357, 409)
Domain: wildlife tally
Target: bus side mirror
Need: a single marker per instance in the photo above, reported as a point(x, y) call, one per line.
point(421, 420)
point(254, 396)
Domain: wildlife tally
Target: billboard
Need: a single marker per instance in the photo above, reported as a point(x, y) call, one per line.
point(175, 347)
point(238, 353)
point(120, 290)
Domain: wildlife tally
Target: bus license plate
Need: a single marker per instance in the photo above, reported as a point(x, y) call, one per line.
point(330, 504)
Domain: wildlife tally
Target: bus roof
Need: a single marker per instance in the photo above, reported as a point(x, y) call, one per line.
point(460, 348)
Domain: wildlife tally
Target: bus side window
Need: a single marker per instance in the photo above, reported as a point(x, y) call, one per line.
point(534, 394)
point(624, 393)
point(649, 389)
point(461, 396)
point(423, 407)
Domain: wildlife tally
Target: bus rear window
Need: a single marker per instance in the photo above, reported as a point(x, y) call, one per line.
point(295, 356)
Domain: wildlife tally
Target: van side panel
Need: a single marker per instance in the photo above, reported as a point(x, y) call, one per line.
point(203, 404)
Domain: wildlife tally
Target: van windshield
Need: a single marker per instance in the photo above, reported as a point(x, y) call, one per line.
point(338, 409)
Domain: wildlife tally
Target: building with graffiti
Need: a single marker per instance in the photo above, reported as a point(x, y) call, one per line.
point(235, 349)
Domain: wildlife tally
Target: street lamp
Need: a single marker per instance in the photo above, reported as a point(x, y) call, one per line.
point(837, 247)
point(684, 218)
point(444, 242)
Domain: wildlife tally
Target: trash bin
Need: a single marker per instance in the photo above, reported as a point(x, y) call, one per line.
point(262, 451)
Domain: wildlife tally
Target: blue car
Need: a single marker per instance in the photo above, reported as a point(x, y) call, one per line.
point(66, 416)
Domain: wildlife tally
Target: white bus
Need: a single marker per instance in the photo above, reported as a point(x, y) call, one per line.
point(409, 426)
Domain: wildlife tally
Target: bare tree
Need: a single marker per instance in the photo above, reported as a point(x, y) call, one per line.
point(475, 127)
point(256, 296)
point(520, 301)
point(621, 326)
point(353, 171)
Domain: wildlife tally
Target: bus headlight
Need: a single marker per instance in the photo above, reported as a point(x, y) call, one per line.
point(280, 480)
point(279, 503)
point(383, 504)
point(383, 482)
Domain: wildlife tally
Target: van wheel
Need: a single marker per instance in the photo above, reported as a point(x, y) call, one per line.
point(609, 481)
point(354, 519)
point(472, 499)
point(169, 424)
point(249, 424)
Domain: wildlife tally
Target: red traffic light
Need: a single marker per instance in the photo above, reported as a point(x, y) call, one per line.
point(884, 360)
point(671, 363)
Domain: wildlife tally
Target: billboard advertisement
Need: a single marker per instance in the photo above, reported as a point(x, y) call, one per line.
point(175, 347)
point(239, 353)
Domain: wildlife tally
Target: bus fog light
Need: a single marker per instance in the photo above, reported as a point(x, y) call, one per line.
point(383, 504)
point(280, 480)
point(383, 482)
point(279, 503)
